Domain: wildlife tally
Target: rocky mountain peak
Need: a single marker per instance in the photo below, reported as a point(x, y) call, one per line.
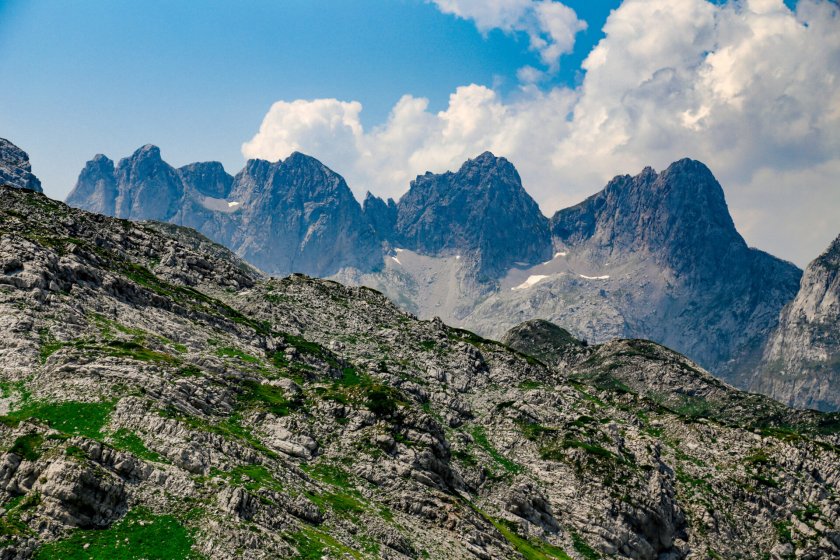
point(830, 259)
point(96, 187)
point(15, 169)
point(147, 151)
point(150, 187)
point(382, 215)
point(485, 163)
point(801, 364)
point(679, 216)
point(481, 210)
point(209, 178)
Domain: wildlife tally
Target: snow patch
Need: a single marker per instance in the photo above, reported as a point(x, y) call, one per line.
point(563, 254)
point(532, 280)
point(396, 260)
point(220, 205)
point(606, 277)
point(457, 257)
point(398, 250)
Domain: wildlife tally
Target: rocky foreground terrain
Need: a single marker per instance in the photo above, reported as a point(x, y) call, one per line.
point(162, 399)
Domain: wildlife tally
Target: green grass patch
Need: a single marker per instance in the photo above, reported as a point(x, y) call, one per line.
point(480, 438)
point(268, 397)
point(125, 440)
point(69, 417)
point(361, 389)
point(136, 351)
point(341, 503)
point(140, 535)
point(535, 432)
point(530, 385)
point(583, 548)
point(230, 352)
point(11, 524)
point(251, 477)
point(26, 446)
point(312, 544)
point(330, 474)
point(555, 452)
point(530, 549)
point(345, 500)
point(694, 408)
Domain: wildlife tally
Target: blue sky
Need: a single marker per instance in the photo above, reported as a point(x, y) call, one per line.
point(196, 78)
point(382, 90)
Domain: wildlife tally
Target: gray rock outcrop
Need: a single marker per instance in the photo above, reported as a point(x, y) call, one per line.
point(15, 169)
point(801, 362)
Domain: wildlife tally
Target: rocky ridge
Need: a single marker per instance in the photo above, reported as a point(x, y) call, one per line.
point(15, 169)
point(155, 388)
point(801, 362)
point(653, 256)
point(289, 216)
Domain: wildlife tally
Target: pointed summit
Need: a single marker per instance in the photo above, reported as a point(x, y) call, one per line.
point(382, 215)
point(481, 210)
point(679, 216)
point(677, 223)
point(96, 187)
point(149, 188)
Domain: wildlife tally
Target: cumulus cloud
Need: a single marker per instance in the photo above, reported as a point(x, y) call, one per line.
point(750, 88)
point(551, 26)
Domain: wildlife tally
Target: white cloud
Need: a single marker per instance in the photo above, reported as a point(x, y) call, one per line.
point(551, 26)
point(751, 89)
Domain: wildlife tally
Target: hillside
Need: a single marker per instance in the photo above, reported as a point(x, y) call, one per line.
point(162, 399)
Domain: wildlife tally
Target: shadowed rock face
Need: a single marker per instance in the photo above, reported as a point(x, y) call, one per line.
point(382, 215)
point(96, 190)
point(801, 364)
point(676, 225)
point(15, 169)
point(208, 178)
point(290, 216)
point(481, 210)
point(298, 215)
point(546, 341)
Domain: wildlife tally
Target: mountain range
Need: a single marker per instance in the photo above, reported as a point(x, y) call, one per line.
point(163, 399)
point(654, 256)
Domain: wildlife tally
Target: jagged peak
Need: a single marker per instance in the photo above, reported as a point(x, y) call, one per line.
point(13, 152)
point(299, 158)
point(203, 165)
point(688, 164)
point(830, 258)
point(101, 158)
point(486, 160)
point(146, 151)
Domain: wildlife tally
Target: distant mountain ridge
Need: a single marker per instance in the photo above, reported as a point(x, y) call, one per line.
point(655, 255)
point(289, 216)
